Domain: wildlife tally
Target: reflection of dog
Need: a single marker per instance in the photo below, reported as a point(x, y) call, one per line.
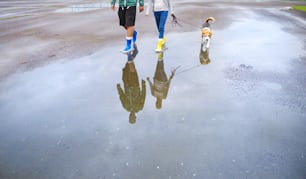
point(206, 32)
point(204, 56)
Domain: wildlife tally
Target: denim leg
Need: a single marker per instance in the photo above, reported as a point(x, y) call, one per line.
point(162, 22)
point(157, 19)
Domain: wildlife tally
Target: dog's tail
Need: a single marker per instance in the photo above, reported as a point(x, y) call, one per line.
point(210, 19)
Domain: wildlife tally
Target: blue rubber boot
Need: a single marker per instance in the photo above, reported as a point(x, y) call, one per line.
point(128, 47)
point(134, 36)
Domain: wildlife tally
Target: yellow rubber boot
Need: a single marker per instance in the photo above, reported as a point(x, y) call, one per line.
point(164, 47)
point(159, 46)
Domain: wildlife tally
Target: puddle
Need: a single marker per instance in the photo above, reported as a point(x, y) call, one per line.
point(248, 42)
point(75, 114)
point(83, 7)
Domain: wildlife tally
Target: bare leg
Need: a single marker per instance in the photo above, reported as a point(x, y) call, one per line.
point(130, 30)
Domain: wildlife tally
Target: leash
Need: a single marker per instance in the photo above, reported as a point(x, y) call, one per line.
point(176, 22)
point(188, 69)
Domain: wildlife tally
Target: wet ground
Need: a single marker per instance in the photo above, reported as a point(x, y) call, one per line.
point(242, 115)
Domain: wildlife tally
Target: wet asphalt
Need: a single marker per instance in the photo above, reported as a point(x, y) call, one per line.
point(240, 115)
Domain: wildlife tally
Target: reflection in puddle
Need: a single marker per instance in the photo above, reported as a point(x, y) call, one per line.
point(132, 97)
point(161, 83)
point(83, 7)
point(204, 56)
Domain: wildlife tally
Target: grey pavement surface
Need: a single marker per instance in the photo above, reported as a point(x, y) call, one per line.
point(240, 116)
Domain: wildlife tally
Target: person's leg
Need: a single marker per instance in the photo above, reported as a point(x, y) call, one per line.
point(121, 15)
point(157, 19)
point(122, 22)
point(162, 22)
point(130, 17)
point(130, 31)
point(130, 22)
point(162, 18)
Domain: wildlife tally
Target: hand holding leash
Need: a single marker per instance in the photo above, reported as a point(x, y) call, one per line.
point(174, 21)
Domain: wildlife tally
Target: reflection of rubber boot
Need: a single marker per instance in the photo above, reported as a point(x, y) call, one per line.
point(135, 51)
point(128, 47)
point(130, 57)
point(160, 56)
point(159, 45)
point(134, 36)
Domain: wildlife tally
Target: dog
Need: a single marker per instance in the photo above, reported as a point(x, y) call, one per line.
point(206, 32)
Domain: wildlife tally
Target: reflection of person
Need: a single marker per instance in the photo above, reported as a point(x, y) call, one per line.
point(204, 56)
point(132, 97)
point(160, 87)
point(160, 10)
point(127, 17)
